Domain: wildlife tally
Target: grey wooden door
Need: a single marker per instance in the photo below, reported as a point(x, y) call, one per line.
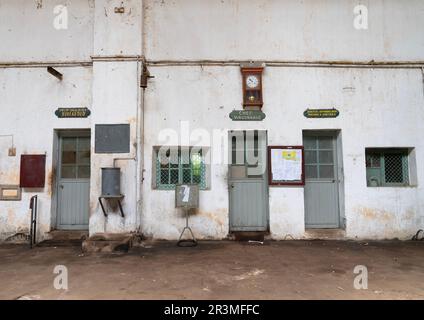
point(248, 191)
point(321, 181)
point(74, 183)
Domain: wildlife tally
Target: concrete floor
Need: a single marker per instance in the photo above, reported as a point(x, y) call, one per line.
point(218, 270)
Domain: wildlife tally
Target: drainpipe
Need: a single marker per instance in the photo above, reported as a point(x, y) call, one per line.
point(422, 73)
point(138, 157)
point(140, 126)
point(140, 146)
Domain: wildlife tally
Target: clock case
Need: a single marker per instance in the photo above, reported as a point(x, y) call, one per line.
point(252, 97)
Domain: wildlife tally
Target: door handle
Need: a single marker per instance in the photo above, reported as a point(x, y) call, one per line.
point(232, 186)
point(61, 186)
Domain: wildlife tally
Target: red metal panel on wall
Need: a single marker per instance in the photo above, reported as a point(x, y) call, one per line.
point(33, 170)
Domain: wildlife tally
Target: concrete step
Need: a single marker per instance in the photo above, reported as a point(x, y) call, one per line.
point(108, 243)
point(64, 238)
point(325, 234)
point(249, 236)
point(64, 235)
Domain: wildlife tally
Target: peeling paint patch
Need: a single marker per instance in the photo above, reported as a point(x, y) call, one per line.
point(375, 214)
point(215, 217)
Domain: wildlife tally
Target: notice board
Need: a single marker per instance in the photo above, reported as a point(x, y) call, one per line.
point(286, 165)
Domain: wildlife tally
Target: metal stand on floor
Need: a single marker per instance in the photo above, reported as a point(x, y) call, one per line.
point(187, 242)
point(33, 205)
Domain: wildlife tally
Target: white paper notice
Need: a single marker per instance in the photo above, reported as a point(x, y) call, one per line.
point(286, 164)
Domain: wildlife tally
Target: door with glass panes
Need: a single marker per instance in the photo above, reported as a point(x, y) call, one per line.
point(73, 188)
point(321, 180)
point(247, 179)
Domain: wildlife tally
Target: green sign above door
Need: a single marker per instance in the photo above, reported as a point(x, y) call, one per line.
point(72, 112)
point(247, 115)
point(321, 113)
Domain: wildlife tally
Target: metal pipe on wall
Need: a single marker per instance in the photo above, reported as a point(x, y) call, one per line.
point(277, 63)
point(40, 64)
point(140, 145)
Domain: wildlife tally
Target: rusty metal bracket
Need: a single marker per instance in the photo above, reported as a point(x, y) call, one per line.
point(118, 199)
point(145, 75)
point(55, 73)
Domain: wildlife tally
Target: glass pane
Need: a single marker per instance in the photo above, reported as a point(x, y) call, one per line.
point(326, 157)
point(196, 163)
point(310, 157)
point(69, 172)
point(325, 142)
point(185, 157)
point(373, 160)
point(69, 157)
point(373, 177)
point(310, 142)
point(84, 144)
point(326, 172)
point(69, 144)
point(393, 168)
point(174, 176)
point(164, 177)
point(69, 147)
point(84, 157)
point(186, 176)
point(311, 172)
point(173, 159)
point(197, 178)
point(84, 172)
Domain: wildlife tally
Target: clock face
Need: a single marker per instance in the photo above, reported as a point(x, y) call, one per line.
point(252, 81)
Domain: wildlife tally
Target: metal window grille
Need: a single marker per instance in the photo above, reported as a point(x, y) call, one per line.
point(387, 167)
point(180, 166)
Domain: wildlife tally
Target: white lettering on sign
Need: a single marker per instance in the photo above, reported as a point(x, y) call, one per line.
point(186, 193)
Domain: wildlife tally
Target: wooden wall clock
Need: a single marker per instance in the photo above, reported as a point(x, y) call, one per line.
point(252, 86)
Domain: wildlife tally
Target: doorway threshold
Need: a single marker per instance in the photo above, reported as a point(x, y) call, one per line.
point(249, 235)
point(325, 234)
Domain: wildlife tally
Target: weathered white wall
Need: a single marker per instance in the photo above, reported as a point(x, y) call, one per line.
point(29, 97)
point(27, 32)
point(28, 100)
point(116, 99)
point(378, 108)
point(309, 30)
point(116, 33)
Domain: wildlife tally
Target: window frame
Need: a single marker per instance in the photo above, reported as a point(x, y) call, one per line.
point(204, 168)
point(381, 153)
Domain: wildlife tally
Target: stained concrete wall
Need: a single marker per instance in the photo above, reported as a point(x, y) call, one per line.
point(29, 98)
point(117, 98)
point(28, 33)
point(310, 30)
point(378, 108)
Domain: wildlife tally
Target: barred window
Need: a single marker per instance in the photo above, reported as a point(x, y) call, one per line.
point(177, 165)
point(387, 167)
